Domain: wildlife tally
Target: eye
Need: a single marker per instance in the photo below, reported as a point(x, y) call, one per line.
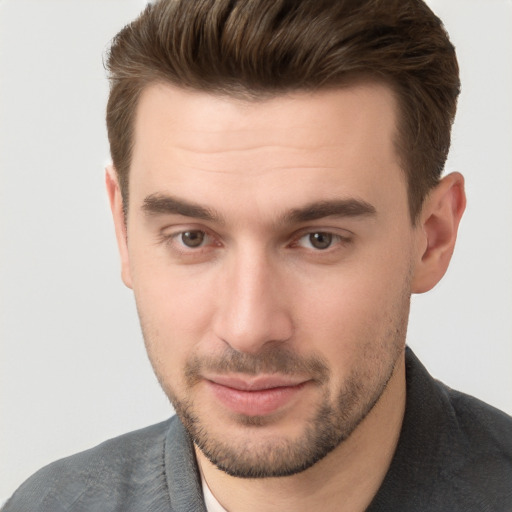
point(319, 240)
point(192, 239)
point(189, 244)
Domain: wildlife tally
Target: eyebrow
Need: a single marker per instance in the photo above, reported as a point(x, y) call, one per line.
point(156, 204)
point(162, 204)
point(332, 208)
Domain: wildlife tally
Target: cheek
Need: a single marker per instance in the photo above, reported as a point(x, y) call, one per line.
point(358, 312)
point(175, 310)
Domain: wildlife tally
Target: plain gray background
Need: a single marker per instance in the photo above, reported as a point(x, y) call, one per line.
point(73, 369)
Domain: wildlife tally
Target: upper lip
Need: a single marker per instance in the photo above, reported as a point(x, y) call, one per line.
point(256, 383)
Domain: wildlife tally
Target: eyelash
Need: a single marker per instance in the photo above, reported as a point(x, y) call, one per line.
point(336, 240)
point(174, 241)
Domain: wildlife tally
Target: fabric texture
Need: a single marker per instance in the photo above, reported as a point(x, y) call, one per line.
point(454, 455)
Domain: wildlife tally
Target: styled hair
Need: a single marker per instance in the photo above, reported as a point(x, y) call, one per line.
point(257, 49)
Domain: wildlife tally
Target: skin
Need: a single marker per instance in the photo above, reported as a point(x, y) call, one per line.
point(316, 299)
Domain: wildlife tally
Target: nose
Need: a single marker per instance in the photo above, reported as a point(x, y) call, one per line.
point(252, 308)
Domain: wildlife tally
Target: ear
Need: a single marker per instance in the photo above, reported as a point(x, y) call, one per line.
point(437, 231)
point(116, 205)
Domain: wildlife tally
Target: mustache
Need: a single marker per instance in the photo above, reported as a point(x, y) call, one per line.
point(271, 361)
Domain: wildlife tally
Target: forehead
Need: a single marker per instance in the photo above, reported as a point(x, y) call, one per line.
point(225, 120)
point(328, 143)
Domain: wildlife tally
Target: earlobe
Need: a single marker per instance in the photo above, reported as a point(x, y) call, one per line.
point(116, 205)
point(437, 230)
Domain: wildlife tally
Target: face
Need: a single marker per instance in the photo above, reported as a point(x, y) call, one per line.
point(270, 251)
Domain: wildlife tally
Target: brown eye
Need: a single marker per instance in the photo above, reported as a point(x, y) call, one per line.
point(320, 240)
point(193, 239)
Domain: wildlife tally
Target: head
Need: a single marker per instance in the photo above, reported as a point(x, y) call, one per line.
point(265, 48)
point(277, 199)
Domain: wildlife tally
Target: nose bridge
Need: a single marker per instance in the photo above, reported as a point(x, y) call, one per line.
point(253, 310)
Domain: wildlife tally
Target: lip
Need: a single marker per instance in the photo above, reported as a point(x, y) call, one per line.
point(257, 396)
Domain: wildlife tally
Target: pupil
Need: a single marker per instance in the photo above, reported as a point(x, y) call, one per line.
point(192, 238)
point(320, 240)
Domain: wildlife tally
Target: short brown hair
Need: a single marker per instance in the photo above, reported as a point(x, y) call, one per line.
point(261, 48)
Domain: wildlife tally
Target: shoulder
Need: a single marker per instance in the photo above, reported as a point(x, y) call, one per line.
point(102, 477)
point(454, 452)
point(479, 421)
point(485, 432)
point(480, 445)
point(476, 426)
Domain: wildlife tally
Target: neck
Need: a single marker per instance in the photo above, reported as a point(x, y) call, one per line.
point(346, 479)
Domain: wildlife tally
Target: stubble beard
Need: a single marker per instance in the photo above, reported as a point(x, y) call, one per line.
point(279, 457)
point(331, 424)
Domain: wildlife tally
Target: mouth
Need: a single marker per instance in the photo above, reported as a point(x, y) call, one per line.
point(257, 396)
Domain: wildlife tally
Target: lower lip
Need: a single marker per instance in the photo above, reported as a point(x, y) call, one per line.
point(255, 403)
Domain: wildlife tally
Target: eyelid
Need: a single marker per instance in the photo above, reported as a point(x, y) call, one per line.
point(169, 235)
point(344, 234)
point(335, 242)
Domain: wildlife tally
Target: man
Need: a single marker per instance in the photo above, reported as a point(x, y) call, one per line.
point(277, 195)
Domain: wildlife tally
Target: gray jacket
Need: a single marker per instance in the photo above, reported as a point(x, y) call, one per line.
point(454, 454)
